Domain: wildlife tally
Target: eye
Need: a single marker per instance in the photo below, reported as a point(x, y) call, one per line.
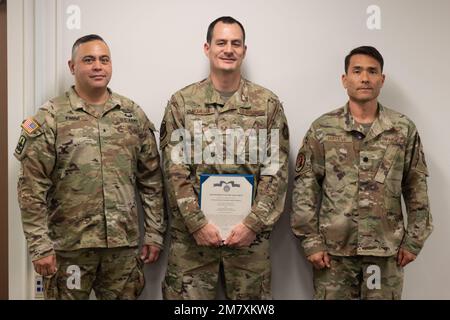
point(88, 60)
point(105, 60)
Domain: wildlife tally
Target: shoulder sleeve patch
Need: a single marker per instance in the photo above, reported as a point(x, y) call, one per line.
point(162, 131)
point(21, 145)
point(285, 131)
point(300, 163)
point(30, 125)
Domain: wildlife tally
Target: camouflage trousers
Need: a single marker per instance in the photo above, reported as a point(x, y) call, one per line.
point(193, 271)
point(113, 273)
point(359, 277)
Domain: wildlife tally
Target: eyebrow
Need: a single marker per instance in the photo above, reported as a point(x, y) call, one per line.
point(368, 68)
point(93, 57)
point(232, 40)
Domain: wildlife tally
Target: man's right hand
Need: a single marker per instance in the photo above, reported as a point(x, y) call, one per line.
point(208, 235)
point(45, 266)
point(319, 260)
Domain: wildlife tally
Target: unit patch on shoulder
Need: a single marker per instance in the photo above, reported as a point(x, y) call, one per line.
point(300, 163)
point(30, 125)
point(21, 144)
point(285, 131)
point(162, 131)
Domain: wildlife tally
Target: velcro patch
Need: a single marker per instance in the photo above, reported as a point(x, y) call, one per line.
point(285, 131)
point(162, 131)
point(21, 144)
point(300, 163)
point(30, 125)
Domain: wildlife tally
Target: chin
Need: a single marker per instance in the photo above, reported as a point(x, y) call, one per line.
point(365, 97)
point(228, 69)
point(99, 85)
point(363, 100)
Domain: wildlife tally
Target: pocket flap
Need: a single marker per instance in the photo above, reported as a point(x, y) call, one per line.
point(386, 164)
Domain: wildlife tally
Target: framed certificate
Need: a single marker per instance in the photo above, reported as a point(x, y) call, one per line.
point(226, 199)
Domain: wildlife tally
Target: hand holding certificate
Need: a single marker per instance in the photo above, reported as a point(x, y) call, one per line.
point(226, 199)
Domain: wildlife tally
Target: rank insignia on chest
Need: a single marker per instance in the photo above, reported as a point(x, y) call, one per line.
point(30, 125)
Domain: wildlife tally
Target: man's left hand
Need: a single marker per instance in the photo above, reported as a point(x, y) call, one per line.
point(404, 257)
point(149, 253)
point(240, 236)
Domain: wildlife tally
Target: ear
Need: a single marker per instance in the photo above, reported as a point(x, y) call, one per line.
point(384, 78)
point(245, 50)
point(71, 66)
point(344, 80)
point(206, 48)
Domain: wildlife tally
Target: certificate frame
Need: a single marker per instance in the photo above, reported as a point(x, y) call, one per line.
point(230, 204)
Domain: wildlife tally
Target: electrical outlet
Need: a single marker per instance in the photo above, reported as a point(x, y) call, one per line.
point(38, 287)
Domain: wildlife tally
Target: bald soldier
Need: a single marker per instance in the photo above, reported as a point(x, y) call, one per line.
point(82, 155)
point(225, 103)
point(353, 167)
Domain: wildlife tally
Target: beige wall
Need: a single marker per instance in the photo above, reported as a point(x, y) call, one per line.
point(295, 48)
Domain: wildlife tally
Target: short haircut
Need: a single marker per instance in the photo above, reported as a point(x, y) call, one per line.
point(366, 50)
point(226, 20)
point(84, 39)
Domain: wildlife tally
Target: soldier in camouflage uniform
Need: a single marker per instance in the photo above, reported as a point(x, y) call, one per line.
point(81, 157)
point(353, 167)
point(223, 101)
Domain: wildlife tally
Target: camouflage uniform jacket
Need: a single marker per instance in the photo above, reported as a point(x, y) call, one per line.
point(251, 107)
point(357, 182)
point(78, 174)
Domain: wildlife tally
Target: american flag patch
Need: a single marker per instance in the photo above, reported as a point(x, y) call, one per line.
point(30, 125)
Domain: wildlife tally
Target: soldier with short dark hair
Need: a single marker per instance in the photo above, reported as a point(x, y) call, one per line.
point(355, 164)
point(81, 156)
point(223, 102)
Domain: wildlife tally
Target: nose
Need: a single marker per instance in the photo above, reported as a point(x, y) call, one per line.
point(364, 76)
point(97, 65)
point(228, 48)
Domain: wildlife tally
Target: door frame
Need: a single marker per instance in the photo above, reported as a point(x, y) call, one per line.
point(4, 272)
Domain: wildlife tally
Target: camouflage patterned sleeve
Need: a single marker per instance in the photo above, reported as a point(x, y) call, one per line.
point(36, 152)
point(414, 187)
point(272, 182)
point(178, 173)
point(150, 186)
point(309, 174)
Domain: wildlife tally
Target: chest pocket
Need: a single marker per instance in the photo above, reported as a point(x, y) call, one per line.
point(340, 167)
point(197, 117)
point(252, 118)
point(385, 173)
point(75, 133)
point(198, 120)
point(123, 130)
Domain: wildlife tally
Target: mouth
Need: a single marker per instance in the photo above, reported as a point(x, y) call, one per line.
point(364, 89)
point(97, 77)
point(228, 60)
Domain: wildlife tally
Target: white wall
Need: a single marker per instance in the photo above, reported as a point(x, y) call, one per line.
point(295, 48)
point(20, 102)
